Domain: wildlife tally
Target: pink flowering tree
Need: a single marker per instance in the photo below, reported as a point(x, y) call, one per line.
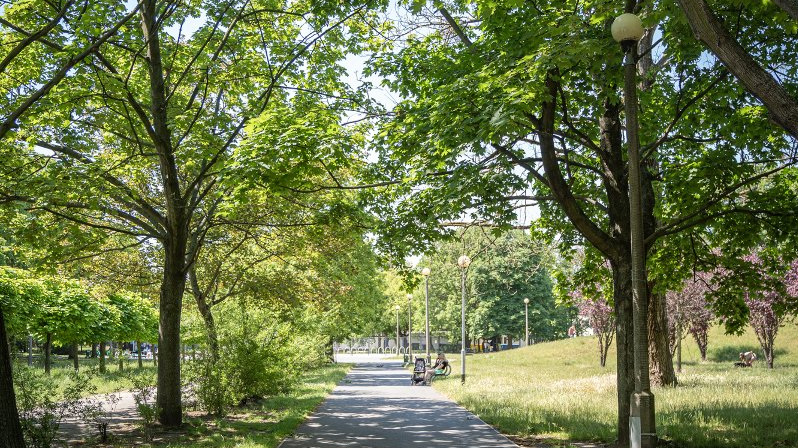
point(764, 320)
point(601, 318)
point(690, 313)
point(766, 306)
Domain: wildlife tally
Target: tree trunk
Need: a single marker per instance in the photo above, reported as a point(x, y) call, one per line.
point(102, 357)
point(48, 347)
point(782, 107)
point(121, 355)
point(622, 295)
point(509, 342)
point(788, 6)
point(94, 350)
point(659, 357)
point(679, 346)
point(768, 348)
point(172, 288)
point(10, 428)
point(207, 316)
point(75, 362)
point(138, 346)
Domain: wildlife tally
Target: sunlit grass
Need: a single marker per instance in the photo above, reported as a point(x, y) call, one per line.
point(558, 391)
point(111, 381)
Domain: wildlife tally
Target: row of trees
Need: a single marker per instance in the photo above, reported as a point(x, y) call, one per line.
point(191, 135)
point(763, 297)
point(514, 104)
point(506, 269)
point(65, 312)
point(168, 136)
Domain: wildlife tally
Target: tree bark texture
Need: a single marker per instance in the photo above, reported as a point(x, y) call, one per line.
point(138, 349)
point(168, 398)
point(10, 428)
point(707, 28)
point(659, 356)
point(94, 350)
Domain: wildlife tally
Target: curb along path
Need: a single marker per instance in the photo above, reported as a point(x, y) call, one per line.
point(376, 407)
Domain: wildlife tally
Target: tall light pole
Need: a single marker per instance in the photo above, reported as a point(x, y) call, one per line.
point(410, 326)
point(627, 29)
point(464, 261)
point(425, 272)
point(526, 318)
point(397, 329)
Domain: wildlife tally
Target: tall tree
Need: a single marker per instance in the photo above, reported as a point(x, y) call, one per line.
point(513, 270)
point(143, 132)
point(510, 111)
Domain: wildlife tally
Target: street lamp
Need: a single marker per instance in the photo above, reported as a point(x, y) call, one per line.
point(425, 272)
point(627, 29)
point(410, 326)
point(397, 329)
point(463, 262)
point(526, 318)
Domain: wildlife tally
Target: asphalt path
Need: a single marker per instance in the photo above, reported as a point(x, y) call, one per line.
point(376, 407)
point(120, 414)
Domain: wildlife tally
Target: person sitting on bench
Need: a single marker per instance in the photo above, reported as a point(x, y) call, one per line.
point(440, 363)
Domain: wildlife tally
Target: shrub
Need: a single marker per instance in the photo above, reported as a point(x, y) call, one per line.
point(43, 404)
point(250, 366)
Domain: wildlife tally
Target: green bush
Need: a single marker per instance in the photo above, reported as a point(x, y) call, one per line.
point(250, 366)
point(43, 405)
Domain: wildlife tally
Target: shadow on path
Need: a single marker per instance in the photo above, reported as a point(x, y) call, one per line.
point(377, 407)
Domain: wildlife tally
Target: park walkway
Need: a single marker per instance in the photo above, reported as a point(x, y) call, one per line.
point(376, 407)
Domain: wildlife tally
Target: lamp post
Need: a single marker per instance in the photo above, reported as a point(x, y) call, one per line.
point(410, 326)
point(397, 328)
point(464, 261)
point(627, 29)
point(425, 272)
point(526, 318)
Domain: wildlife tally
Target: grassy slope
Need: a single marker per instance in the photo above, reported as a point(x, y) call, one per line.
point(557, 390)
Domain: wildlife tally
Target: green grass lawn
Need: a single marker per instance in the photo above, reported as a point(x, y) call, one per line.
point(557, 391)
point(111, 381)
point(264, 424)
